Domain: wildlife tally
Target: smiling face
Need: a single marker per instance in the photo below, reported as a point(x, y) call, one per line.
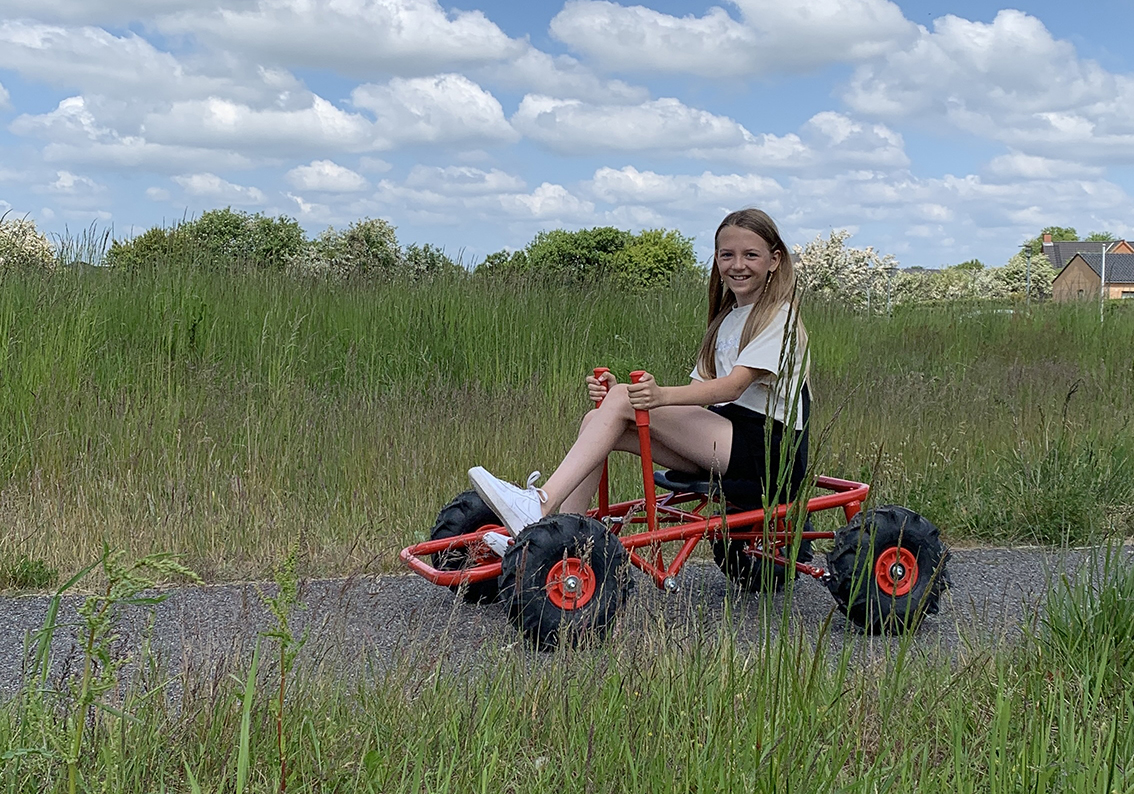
point(744, 260)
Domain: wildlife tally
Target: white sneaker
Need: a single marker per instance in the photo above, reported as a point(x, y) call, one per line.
point(516, 507)
point(498, 542)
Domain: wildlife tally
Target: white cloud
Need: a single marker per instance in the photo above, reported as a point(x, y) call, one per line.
point(444, 109)
point(838, 138)
point(68, 184)
point(312, 211)
point(5, 98)
point(357, 37)
point(212, 187)
point(573, 126)
point(561, 76)
point(93, 60)
point(221, 123)
point(1008, 80)
point(373, 165)
point(771, 36)
point(93, 12)
point(157, 194)
point(76, 136)
point(326, 176)
point(667, 125)
point(628, 185)
point(1017, 165)
point(447, 108)
point(546, 202)
point(463, 180)
point(426, 196)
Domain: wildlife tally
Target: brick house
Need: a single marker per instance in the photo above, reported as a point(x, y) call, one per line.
point(1078, 266)
point(1081, 277)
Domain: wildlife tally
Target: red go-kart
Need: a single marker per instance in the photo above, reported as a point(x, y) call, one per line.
point(566, 576)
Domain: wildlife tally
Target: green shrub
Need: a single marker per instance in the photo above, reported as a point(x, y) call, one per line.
point(150, 249)
point(227, 239)
point(582, 257)
point(503, 265)
point(654, 257)
point(232, 238)
point(24, 246)
point(599, 255)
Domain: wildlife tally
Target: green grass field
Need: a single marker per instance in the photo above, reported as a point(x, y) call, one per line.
point(230, 419)
point(227, 417)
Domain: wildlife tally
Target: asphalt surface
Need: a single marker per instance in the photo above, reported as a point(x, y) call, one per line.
point(370, 622)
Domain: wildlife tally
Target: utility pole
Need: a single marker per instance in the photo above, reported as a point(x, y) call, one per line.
point(1102, 283)
point(1026, 250)
point(1028, 278)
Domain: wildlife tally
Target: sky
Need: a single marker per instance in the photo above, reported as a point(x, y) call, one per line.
point(934, 131)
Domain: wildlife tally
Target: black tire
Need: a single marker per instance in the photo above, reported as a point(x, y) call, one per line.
point(534, 581)
point(880, 599)
point(754, 574)
point(466, 513)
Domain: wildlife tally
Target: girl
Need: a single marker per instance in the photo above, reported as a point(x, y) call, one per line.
point(751, 370)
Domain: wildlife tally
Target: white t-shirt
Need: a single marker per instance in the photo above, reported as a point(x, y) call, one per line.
point(770, 394)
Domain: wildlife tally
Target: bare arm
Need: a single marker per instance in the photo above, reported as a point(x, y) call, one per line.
point(647, 394)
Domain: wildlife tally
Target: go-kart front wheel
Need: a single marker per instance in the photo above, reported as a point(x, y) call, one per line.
point(465, 514)
point(565, 578)
point(888, 569)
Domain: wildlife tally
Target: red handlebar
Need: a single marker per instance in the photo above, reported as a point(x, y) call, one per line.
point(641, 418)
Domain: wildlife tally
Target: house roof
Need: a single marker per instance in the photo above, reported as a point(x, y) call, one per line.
point(1060, 252)
point(1119, 267)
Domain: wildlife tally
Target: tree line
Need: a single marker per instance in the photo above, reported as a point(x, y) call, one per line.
point(368, 249)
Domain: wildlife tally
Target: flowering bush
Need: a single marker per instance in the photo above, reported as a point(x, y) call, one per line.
point(365, 249)
point(24, 246)
point(831, 270)
point(858, 277)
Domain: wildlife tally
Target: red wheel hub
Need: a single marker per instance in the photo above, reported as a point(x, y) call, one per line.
point(895, 571)
point(570, 583)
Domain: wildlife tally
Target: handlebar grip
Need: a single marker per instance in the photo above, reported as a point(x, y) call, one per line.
point(599, 372)
point(641, 418)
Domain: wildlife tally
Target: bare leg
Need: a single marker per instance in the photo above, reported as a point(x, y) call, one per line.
point(683, 437)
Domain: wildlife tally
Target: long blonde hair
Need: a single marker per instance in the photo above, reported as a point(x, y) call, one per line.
point(780, 288)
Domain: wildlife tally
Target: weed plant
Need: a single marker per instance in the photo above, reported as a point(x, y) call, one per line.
point(219, 415)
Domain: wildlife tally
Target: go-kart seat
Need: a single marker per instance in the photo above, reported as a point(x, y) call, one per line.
point(742, 494)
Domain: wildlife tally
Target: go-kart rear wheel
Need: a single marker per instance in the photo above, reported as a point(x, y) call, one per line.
point(564, 579)
point(466, 513)
point(888, 569)
point(754, 574)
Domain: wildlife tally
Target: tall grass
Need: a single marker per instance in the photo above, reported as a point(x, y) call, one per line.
point(229, 416)
point(662, 706)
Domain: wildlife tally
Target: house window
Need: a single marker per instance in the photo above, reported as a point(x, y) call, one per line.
point(1080, 293)
point(1128, 293)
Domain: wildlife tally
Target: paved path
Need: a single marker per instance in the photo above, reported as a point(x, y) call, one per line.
point(373, 621)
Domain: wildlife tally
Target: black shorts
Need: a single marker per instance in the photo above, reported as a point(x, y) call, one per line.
point(752, 447)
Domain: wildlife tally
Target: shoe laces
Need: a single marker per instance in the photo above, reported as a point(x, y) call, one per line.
point(533, 478)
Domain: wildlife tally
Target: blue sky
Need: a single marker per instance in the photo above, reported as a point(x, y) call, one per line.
point(933, 131)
